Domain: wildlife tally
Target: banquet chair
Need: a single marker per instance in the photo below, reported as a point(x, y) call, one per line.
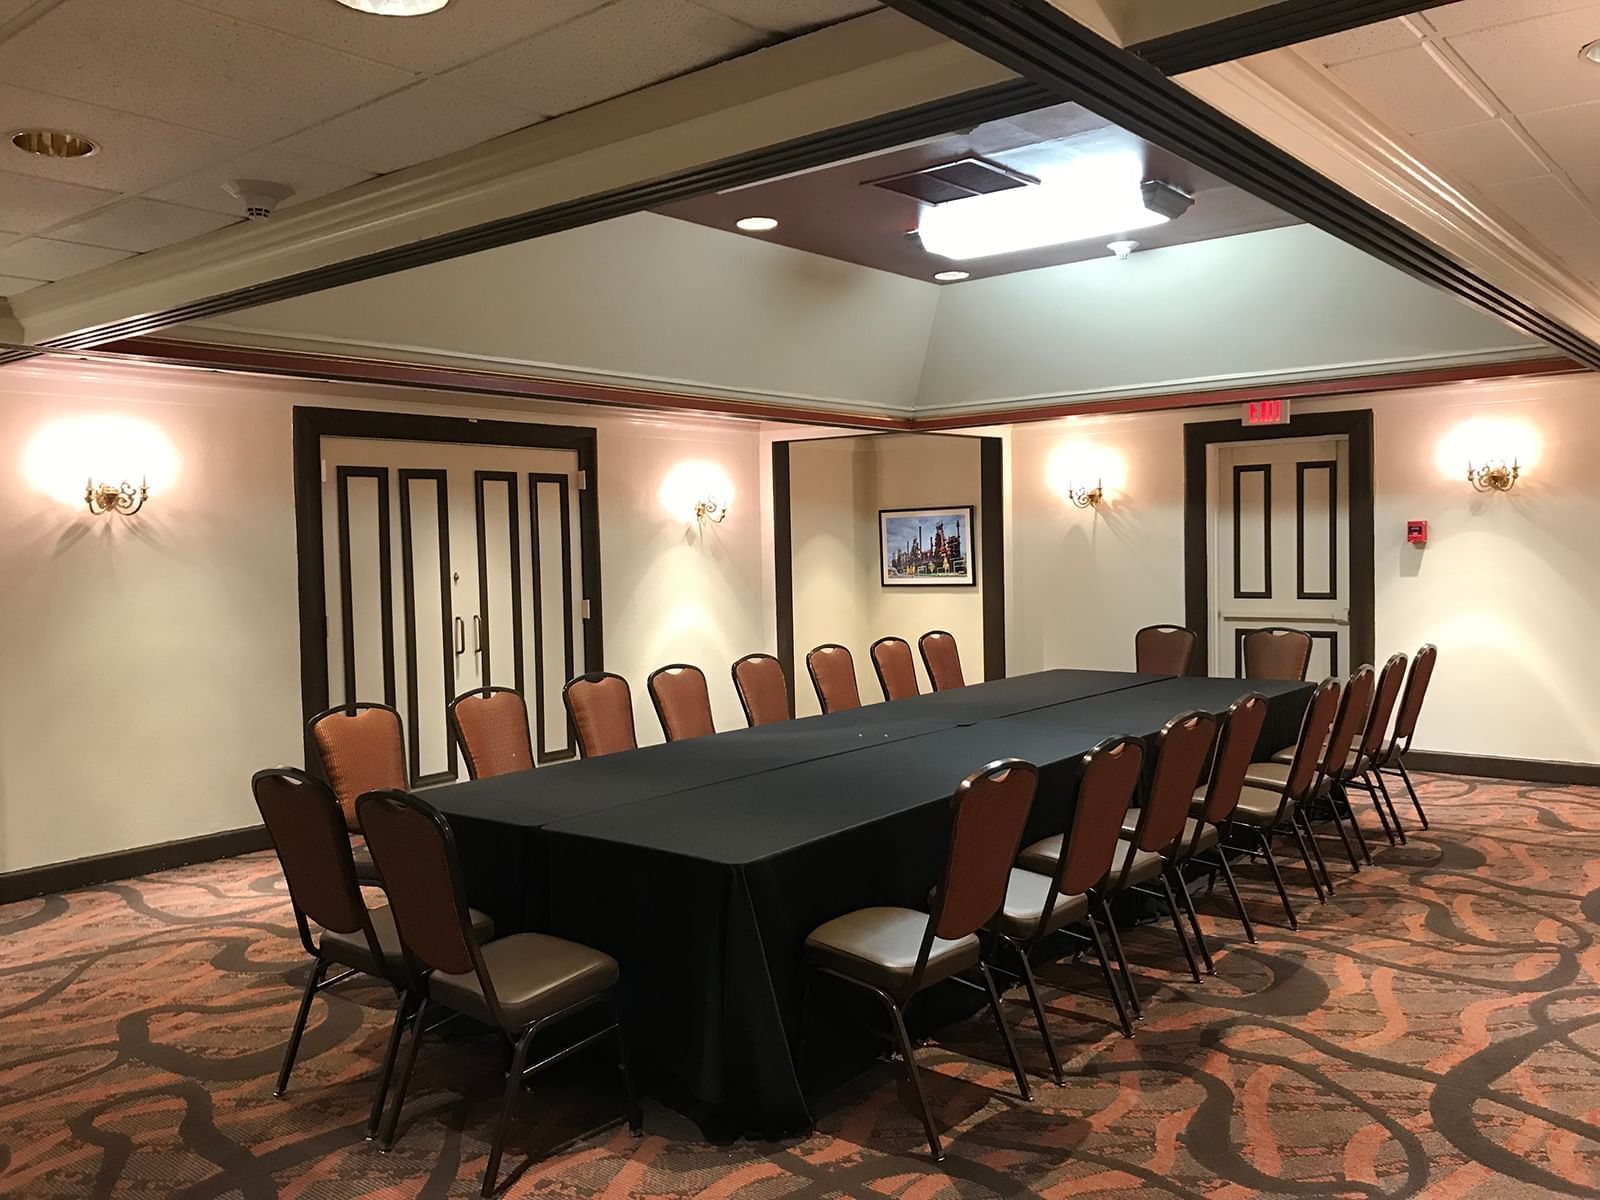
point(600, 707)
point(1059, 881)
point(1335, 767)
point(763, 690)
point(833, 674)
point(942, 660)
point(1164, 650)
point(519, 985)
point(897, 672)
point(1276, 653)
point(307, 829)
point(1271, 810)
point(1390, 759)
point(360, 746)
point(1152, 834)
point(1211, 810)
point(682, 703)
point(490, 725)
point(895, 953)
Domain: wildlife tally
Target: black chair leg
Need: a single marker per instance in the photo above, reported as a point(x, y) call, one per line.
point(1005, 1033)
point(519, 1063)
point(402, 1013)
point(1122, 960)
point(292, 1050)
point(1405, 777)
point(1112, 985)
point(1316, 851)
point(1377, 806)
point(1238, 901)
point(1277, 877)
point(1388, 800)
point(1194, 920)
point(1305, 857)
point(1032, 985)
point(1341, 799)
point(1349, 847)
point(1177, 926)
point(630, 1093)
point(903, 1040)
point(386, 1140)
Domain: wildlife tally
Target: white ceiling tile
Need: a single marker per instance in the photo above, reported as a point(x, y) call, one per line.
point(409, 127)
point(1570, 136)
point(1410, 89)
point(1554, 216)
point(173, 62)
point(1481, 154)
point(11, 286)
point(1361, 42)
point(790, 16)
point(309, 177)
point(45, 258)
point(135, 152)
point(141, 224)
point(620, 48)
point(1535, 64)
point(443, 39)
point(1486, 14)
point(28, 204)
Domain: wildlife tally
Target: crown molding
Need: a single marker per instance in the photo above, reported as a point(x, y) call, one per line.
point(836, 77)
point(1291, 102)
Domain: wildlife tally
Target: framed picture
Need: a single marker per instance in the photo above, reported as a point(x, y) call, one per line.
point(927, 547)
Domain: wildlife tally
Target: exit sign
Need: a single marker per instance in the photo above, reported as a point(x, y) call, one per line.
point(1266, 412)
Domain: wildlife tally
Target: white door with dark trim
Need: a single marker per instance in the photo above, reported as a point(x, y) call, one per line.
point(1278, 537)
point(452, 567)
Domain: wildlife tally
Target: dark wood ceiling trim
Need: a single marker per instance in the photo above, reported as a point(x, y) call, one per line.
point(1267, 28)
point(341, 369)
point(863, 137)
point(1041, 43)
point(1310, 389)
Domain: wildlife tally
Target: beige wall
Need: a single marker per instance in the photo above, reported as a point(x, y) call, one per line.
point(1508, 587)
point(153, 663)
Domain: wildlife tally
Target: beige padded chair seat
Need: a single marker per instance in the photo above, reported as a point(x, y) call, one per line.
point(879, 946)
point(1208, 836)
point(1285, 757)
point(1146, 866)
point(351, 948)
point(1025, 895)
point(1043, 855)
point(534, 976)
point(1259, 806)
point(1267, 774)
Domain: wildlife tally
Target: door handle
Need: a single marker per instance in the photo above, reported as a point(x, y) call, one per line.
point(461, 637)
point(477, 634)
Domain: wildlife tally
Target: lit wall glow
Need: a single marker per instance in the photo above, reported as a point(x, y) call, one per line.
point(65, 454)
point(689, 483)
point(1487, 440)
point(1083, 465)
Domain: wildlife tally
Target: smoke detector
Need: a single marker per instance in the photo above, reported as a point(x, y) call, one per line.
point(259, 196)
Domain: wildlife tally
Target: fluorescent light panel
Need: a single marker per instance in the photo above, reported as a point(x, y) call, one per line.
point(1051, 214)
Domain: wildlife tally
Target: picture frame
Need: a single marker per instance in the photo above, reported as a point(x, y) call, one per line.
point(928, 547)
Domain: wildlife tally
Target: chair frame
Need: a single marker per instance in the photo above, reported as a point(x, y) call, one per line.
point(566, 703)
point(522, 1043)
point(1391, 760)
point(877, 667)
point(655, 699)
point(922, 652)
point(738, 688)
point(1194, 642)
point(1337, 770)
point(461, 742)
point(1364, 774)
point(811, 670)
point(1305, 660)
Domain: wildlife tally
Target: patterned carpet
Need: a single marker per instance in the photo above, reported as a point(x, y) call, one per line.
point(1434, 1032)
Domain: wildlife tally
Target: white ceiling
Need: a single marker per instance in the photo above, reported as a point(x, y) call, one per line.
point(1493, 94)
point(183, 95)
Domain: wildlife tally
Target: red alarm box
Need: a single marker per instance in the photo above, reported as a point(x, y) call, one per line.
point(1417, 533)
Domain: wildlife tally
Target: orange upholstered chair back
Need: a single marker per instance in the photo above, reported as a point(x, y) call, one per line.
point(308, 831)
point(763, 691)
point(1236, 749)
point(491, 727)
point(1405, 725)
point(990, 810)
point(415, 853)
point(1163, 650)
point(1106, 781)
point(897, 673)
point(600, 706)
point(1276, 653)
point(1354, 705)
point(1383, 702)
point(942, 658)
point(833, 674)
point(1181, 750)
point(682, 702)
point(362, 748)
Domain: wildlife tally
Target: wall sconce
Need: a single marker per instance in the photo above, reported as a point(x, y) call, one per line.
point(113, 497)
point(1494, 475)
point(1084, 496)
point(710, 509)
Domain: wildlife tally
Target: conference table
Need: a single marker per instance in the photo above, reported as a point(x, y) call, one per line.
point(702, 865)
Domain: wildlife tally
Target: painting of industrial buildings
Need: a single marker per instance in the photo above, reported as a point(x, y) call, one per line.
point(926, 546)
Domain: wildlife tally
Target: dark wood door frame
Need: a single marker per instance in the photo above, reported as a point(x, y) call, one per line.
point(311, 425)
point(1199, 437)
point(991, 551)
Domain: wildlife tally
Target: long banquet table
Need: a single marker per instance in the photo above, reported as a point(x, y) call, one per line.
point(702, 865)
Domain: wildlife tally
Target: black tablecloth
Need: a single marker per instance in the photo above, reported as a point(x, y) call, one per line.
point(702, 865)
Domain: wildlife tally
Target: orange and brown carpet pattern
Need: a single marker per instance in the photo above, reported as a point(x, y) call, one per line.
point(1433, 1031)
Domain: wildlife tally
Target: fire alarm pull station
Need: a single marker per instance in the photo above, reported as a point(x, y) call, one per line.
point(1417, 533)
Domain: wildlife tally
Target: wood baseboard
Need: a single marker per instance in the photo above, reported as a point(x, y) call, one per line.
point(1489, 766)
point(123, 864)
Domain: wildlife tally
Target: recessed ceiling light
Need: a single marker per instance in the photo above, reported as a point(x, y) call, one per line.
point(1122, 247)
point(1591, 51)
point(757, 224)
point(952, 276)
point(395, 8)
point(53, 143)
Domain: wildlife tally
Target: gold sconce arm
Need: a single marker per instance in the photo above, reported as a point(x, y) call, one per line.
point(1087, 497)
point(1493, 476)
point(122, 497)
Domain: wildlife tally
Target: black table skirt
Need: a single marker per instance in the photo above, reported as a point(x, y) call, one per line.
point(703, 876)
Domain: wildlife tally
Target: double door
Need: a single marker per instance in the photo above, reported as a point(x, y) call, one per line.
point(452, 567)
point(1279, 530)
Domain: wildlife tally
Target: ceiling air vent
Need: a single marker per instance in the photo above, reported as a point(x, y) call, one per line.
point(957, 180)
